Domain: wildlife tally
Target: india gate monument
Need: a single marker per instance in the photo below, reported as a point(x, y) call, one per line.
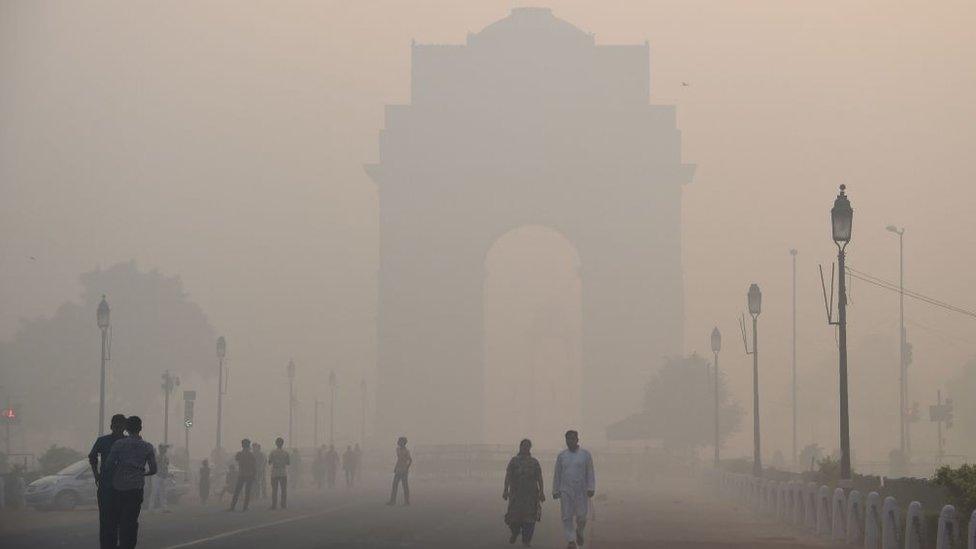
point(528, 123)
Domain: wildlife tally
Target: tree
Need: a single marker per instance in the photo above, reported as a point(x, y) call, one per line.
point(56, 360)
point(57, 457)
point(678, 407)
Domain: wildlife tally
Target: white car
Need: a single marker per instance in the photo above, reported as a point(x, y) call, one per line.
point(74, 485)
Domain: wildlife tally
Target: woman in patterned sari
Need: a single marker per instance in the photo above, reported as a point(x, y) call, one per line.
point(525, 494)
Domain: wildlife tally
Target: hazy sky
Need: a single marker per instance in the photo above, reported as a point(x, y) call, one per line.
point(224, 142)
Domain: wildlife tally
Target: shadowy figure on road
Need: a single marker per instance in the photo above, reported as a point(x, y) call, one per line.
point(108, 502)
point(132, 460)
point(400, 472)
point(525, 493)
point(246, 471)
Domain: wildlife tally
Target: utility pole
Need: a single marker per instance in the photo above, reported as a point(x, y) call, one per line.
point(170, 382)
point(188, 399)
point(221, 353)
point(716, 347)
point(793, 254)
point(905, 436)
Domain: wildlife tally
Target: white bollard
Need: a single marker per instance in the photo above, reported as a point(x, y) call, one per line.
point(872, 521)
point(810, 504)
point(889, 524)
point(971, 537)
point(838, 516)
point(913, 526)
point(948, 536)
point(855, 518)
point(823, 511)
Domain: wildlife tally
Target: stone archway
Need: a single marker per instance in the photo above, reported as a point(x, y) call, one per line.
point(529, 123)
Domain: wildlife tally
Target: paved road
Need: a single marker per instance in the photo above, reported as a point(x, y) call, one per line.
point(460, 514)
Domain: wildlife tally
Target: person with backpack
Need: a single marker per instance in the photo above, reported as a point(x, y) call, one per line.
point(132, 460)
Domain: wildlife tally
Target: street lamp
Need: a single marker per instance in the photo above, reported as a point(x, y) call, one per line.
point(221, 353)
point(904, 434)
point(754, 299)
point(332, 386)
point(841, 219)
point(291, 400)
point(716, 347)
point(102, 317)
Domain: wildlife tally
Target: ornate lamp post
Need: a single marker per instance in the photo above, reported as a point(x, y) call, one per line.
point(841, 219)
point(332, 386)
point(755, 307)
point(221, 353)
point(716, 347)
point(102, 316)
point(291, 400)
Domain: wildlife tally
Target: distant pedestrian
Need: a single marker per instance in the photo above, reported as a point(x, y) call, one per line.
point(261, 480)
point(279, 461)
point(525, 494)
point(203, 484)
point(573, 484)
point(132, 460)
point(160, 481)
point(246, 470)
point(318, 467)
point(348, 465)
point(296, 469)
point(400, 472)
point(108, 500)
point(331, 465)
point(230, 481)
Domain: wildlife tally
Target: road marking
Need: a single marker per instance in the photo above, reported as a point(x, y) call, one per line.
point(257, 527)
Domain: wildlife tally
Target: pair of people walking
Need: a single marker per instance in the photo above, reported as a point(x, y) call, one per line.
point(247, 474)
point(573, 484)
point(120, 465)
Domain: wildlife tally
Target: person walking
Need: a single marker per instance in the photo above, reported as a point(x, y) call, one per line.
point(132, 460)
point(400, 472)
point(246, 470)
point(261, 479)
point(347, 465)
point(108, 502)
point(279, 461)
point(573, 484)
point(331, 466)
point(203, 484)
point(357, 462)
point(230, 481)
point(524, 492)
point(297, 474)
point(160, 481)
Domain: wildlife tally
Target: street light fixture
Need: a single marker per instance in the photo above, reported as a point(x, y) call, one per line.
point(716, 347)
point(754, 299)
point(841, 220)
point(905, 435)
point(102, 318)
point(221, 353)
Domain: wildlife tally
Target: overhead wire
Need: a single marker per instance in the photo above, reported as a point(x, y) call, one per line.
point(887, 285)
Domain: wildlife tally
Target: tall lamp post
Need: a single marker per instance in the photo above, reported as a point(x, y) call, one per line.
point(902, 340)
point(170, 382)
point(755, 307)
point(716, 347)
point(841, 219)
point(102, 316)
point(793, 254)
point(291, 401)
point(332, 386)
point(221, 353)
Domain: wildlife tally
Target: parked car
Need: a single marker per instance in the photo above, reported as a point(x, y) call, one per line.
point(74, 485)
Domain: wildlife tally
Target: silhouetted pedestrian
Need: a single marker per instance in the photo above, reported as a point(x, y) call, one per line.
point(573, 484)
point(246, 470)
point(524, 493)
point(160, 481)
point(132, 460)
point(357, 462)
point(347, 465)
point(318, 467)
point(401, 471)
point(108, 498)
point(203, 484)
point(279, 461)
point(261, 479)
point(331, 465)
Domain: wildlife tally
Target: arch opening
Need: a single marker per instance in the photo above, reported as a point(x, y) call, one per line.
point(532, 337)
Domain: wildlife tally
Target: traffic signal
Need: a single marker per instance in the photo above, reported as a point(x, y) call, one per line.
point(948, 413)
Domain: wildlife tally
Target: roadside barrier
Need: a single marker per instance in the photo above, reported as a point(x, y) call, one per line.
point(845, 517)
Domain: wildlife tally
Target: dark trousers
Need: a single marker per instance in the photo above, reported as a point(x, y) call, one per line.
point(526, 529)
point(245, 483)
point(276, 484)
point(400, 478)
point(108, 517)
point(130, 504)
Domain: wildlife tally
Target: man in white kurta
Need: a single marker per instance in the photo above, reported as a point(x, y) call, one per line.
point(573, 484)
